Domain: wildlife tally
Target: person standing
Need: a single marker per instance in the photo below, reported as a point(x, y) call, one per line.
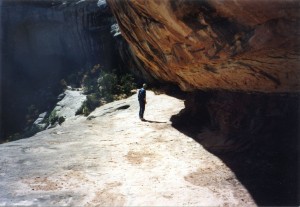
point(142, 101)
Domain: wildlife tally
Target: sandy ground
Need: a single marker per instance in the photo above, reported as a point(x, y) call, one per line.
point(114, 159)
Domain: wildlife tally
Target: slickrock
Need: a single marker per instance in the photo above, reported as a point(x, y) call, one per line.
point(112, 158)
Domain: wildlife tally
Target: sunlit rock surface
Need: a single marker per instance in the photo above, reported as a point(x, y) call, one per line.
point(231, 45)
point(114, 159)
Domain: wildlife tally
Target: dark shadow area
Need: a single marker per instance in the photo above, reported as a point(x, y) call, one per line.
point(123, 107)
point(255, 135)
point(169, 89)
point(158, 122)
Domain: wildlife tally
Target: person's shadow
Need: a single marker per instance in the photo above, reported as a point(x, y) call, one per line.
point(150, 121)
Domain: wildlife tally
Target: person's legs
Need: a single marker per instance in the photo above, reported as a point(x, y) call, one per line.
point(142, 110)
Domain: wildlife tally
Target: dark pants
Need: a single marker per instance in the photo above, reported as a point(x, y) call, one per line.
point(142, 109)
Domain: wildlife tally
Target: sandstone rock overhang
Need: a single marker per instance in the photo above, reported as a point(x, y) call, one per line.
point(244, 45)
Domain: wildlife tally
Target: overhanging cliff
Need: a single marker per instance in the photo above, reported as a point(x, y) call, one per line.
point(241, 61)
point(231, 45)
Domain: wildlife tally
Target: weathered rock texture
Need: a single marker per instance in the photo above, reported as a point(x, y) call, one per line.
point(231, 45)
point(131, 61)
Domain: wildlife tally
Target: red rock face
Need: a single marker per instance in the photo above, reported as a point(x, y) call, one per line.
point(241, 45)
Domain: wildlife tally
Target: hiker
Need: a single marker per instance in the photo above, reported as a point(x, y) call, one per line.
point(142, 101)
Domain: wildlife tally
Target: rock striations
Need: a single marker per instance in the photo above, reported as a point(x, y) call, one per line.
point(231, 45)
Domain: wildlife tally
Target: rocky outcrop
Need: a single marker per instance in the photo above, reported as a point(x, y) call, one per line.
point(68, 104)
point(231, 45)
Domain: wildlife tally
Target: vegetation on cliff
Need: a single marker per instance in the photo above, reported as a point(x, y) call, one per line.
point(103, 86)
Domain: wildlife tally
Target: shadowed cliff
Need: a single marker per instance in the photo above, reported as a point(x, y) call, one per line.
point(43, 42)
point(256, 135)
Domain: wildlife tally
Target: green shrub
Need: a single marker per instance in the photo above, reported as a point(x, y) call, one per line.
point(54, 118)
point(61, 119)
point(107, 84)
point(75, 79)
point(14, 137)
point(89, 80)
point(102, 87)
point(92, 101)
point(89, 85)
point(127, 84)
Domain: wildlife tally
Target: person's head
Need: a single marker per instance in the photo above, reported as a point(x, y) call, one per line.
point(144, 85)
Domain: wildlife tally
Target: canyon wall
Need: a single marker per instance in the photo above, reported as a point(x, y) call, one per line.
point(43, 42)
point(232, 45)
